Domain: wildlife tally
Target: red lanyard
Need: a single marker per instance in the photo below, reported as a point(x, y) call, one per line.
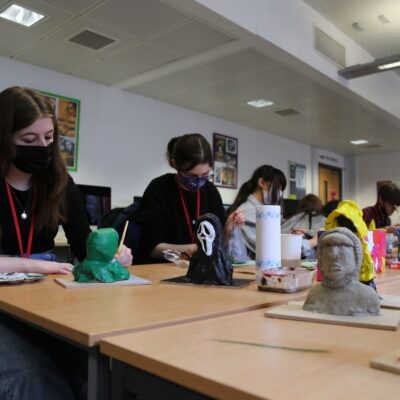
point(187, 213)
point(16, 223)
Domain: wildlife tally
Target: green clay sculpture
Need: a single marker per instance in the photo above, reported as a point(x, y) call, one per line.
point(100, 265)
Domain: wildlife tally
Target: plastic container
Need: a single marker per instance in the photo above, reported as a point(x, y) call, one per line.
point(285, 280)
point(291, 249)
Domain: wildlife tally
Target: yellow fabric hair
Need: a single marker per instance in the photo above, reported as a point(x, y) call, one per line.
point(352, 211)
point(372, 225)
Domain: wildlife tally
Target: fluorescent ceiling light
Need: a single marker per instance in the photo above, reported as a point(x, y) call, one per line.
point(21, 15)
point(379, 65)
point(360, 141)
point(390, 65)
point(260, 103)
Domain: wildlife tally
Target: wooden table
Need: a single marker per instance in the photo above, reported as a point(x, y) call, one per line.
point(193, 361)
point(84, 316)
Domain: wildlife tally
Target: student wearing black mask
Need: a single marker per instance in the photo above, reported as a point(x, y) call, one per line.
point(172, 202)
point(36, 195)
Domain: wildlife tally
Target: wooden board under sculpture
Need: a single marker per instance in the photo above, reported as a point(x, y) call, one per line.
point(388, 362)
point(386, 320)
point(340, 298)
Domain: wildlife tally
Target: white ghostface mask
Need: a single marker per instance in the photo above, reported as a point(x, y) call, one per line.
point(206, 236)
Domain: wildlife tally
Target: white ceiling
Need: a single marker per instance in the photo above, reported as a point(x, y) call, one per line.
point(167, 54)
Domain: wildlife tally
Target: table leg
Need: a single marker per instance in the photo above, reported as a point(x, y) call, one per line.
point(98, 375)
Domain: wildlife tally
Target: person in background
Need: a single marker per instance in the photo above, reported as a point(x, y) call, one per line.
point(265, 186)
point(36, 195)
point(307, 222)
point(329, 207)
point(378, 216)
point(173, 202)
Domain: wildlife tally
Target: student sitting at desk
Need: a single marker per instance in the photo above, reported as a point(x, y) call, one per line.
point(266, 187)
point(307, 222)
point(36, 194)
point(172, 203)
point(378, 216)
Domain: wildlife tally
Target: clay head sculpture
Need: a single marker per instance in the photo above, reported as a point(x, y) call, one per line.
point(209, 264)
point(100, 264)
point(340, 256)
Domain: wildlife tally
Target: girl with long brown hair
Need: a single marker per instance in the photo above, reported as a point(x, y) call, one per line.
point(36, 196)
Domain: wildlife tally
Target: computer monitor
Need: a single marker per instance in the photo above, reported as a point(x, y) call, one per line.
point(97, 201)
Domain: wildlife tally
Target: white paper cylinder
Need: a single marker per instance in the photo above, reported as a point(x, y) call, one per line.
point(268, 237)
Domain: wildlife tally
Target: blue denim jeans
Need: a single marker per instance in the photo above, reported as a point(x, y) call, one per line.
point(27, 371)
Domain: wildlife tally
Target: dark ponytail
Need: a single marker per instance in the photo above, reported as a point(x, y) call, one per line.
point(188, 151)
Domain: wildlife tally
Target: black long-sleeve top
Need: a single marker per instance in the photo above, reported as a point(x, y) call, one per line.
point(161, 215)
point(76, 227)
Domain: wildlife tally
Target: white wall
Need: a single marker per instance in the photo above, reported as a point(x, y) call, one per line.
point(373, 168)
point(123, 136)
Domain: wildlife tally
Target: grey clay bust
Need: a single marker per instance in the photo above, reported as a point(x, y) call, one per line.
point(339, 256)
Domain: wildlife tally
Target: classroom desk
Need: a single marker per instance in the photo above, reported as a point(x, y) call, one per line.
point(84, 316)
point(191, 362)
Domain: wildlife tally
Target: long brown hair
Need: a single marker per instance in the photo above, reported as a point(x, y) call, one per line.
point(20, 108)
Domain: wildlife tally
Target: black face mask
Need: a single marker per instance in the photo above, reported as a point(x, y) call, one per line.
point(32, 159)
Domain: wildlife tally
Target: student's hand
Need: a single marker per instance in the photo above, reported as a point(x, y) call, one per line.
point(313, 242)
point(189, 249)
point(124, 256)
point(236, 218)
point(298, 231)
point(51, 267)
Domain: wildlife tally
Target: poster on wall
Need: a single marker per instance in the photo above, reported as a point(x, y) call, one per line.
point(297, 180)
point(225, 152)
point(67, 113)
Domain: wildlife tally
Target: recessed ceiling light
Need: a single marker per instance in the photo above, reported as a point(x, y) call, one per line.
point(21, 15)
point(360, 141)
point(260, 103)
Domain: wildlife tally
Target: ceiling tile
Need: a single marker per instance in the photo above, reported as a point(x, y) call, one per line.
point(228, 90)
point(76, 6)
point(49, 56)
point(301, 91)
point(191, 38)
point(196, 76)
point(55, 18)
point(126, 65)
point(157, 89)
point(272, 78)
point(141, 18)
point(18, 42)
point(245, 61)
point(60, 38)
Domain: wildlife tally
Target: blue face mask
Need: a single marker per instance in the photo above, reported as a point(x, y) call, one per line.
point(192, 183)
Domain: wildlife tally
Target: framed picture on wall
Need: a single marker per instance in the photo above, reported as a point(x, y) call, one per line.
point(67, 113)
point(297, 180)
point(225, 152)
